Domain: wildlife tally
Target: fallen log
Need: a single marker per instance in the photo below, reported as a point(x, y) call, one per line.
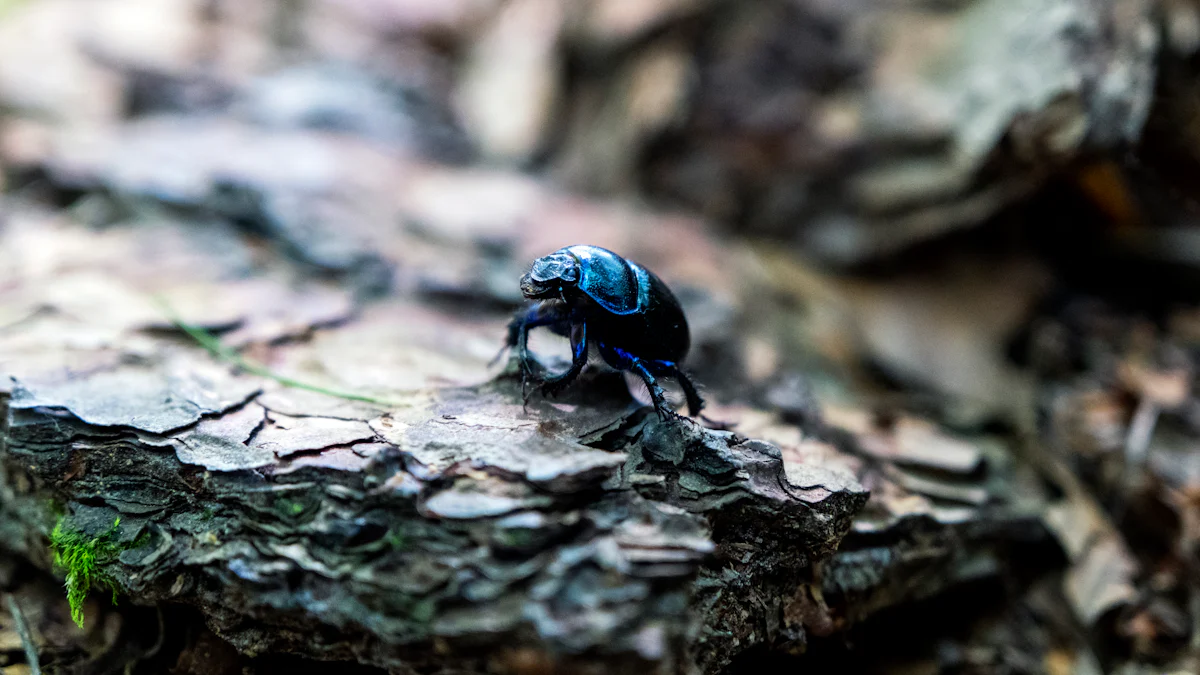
point(446, 523)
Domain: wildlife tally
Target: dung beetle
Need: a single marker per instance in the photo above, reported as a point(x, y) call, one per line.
point(597, 298)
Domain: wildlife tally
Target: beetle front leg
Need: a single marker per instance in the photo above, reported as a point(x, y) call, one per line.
point(579, 355)
point(519, 327)
point(543, 314)
point(521, 322)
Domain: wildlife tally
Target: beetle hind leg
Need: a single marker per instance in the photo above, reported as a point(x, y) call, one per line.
point(690, 392)
point(694, 401)
point(649, 371)
point(657, 395)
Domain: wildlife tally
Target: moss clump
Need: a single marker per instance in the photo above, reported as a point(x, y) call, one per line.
point(81, 556)
point(289, 508)
point(396, 540)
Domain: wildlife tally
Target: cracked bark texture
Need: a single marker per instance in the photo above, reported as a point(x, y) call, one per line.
point(364, 247)
point(455, 519)
point(446, 524)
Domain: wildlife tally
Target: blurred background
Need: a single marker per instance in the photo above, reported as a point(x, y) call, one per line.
point(982, 212)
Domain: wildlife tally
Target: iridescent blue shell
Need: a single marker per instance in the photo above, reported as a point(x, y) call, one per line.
point(616, 284)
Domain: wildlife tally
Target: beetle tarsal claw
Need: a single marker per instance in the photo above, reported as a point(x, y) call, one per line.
point(666, 413)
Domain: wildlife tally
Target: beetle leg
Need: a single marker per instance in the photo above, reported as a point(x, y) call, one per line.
point(657, 395)
point(518, 337)
point(523, 352)
point(694, 401)
point(579, 353)
point(537, 316)
point(623, 360)
point(514, 332)
point(514, 328)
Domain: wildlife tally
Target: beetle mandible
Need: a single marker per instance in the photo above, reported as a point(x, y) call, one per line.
point(595, 297)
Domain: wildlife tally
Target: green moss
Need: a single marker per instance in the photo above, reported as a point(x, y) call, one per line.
point(396, 540)
point(81, 556)
point(290, 508)
point(52, 512)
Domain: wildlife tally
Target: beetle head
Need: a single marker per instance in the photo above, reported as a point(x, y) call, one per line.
point(550, 275)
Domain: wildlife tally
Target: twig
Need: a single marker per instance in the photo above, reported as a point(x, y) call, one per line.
point(31, 653)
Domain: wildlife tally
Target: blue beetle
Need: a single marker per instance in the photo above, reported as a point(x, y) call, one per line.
point(595, 297)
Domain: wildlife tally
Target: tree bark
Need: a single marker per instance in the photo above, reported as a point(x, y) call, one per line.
point(449, 524)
